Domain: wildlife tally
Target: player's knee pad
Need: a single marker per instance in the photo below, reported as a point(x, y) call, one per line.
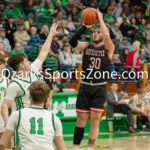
point(78, 135)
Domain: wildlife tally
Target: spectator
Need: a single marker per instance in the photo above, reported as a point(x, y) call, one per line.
point(5, 40)
point(28, 8)
point(58, 86)
point(113, 4)
point(44, 33)
point(146, 34)
point(137, 105)
point(76, 15)
point(142, 26)
point(109, 18)
point(40, 9)
point(133, 61)
point(17, 49)
point(77, 56)
point(12, 11)
point(34, 38)
point(138, 17)
point(64, 28)
point(10, 27)
point(147, 99)
point(70, 24)
point(117, 11)
point(68, 8)
point(147, 11)
point(124, 56)
point(29, 24)
point(49, 7)
point(2, 9)
point(142, 56)
point(4, 54)
point(146, 48)
point(61, 39)
point(124, 45)
point(115, 104)
point(127, 9)
point(55, 47)
point(59, 16)
point(133, 24)
point(2, 23)
point(126, 29)
point(117, 32)
point(21, 36)
point(59, 7)
point(66, 60)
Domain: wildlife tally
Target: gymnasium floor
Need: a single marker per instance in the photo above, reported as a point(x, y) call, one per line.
point(117, 141)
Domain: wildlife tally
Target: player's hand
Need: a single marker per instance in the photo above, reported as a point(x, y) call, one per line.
point(100, 15)
point(53, 30)
point(88, 26)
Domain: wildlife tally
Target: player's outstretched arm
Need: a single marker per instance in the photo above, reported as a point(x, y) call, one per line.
point(74, 39)
point(106, 36)
point(46, 47)
point(5, 139)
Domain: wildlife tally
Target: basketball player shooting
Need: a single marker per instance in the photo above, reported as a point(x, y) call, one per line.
point(91, 95)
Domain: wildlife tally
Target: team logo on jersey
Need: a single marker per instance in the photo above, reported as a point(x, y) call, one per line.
point(98, 53)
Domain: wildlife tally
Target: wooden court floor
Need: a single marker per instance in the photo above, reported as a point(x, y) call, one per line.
point(128, 142)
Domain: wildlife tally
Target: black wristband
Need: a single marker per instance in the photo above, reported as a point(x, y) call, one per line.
point(74, 40)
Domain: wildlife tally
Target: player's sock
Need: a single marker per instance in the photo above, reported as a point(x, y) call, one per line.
point(89, 148)
point(135, 126)
point(75, 148)
point(78, 135)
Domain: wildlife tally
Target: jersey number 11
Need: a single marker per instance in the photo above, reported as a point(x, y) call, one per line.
point(33, 125)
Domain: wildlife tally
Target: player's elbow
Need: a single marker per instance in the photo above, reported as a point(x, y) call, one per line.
point(2, 145)
point(4, 105)
point(73, 43)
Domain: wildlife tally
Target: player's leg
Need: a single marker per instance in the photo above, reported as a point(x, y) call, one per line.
point(94, 128)
point(83, 110)
point(96, 107)
point(79, 129)
point(135, 121)
point(147, 109)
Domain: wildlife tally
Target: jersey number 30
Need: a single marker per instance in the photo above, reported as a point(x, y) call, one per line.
point(95, 63)
point(33, 125)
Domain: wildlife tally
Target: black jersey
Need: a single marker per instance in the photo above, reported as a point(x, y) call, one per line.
point(96, 64)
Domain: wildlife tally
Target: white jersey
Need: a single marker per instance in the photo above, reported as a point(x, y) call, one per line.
point(147, 99)
point(3, 87)
point(36, 128)
point(17, 90)
point(22, 99)
point(138, 101)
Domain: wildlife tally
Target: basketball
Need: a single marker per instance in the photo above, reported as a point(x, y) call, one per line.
point(89, 16)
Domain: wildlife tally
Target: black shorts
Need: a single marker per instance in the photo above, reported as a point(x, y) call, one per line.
point(91, 98)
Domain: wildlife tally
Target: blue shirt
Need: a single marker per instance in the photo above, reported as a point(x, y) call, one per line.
point(6, 43)
point(34, 40)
